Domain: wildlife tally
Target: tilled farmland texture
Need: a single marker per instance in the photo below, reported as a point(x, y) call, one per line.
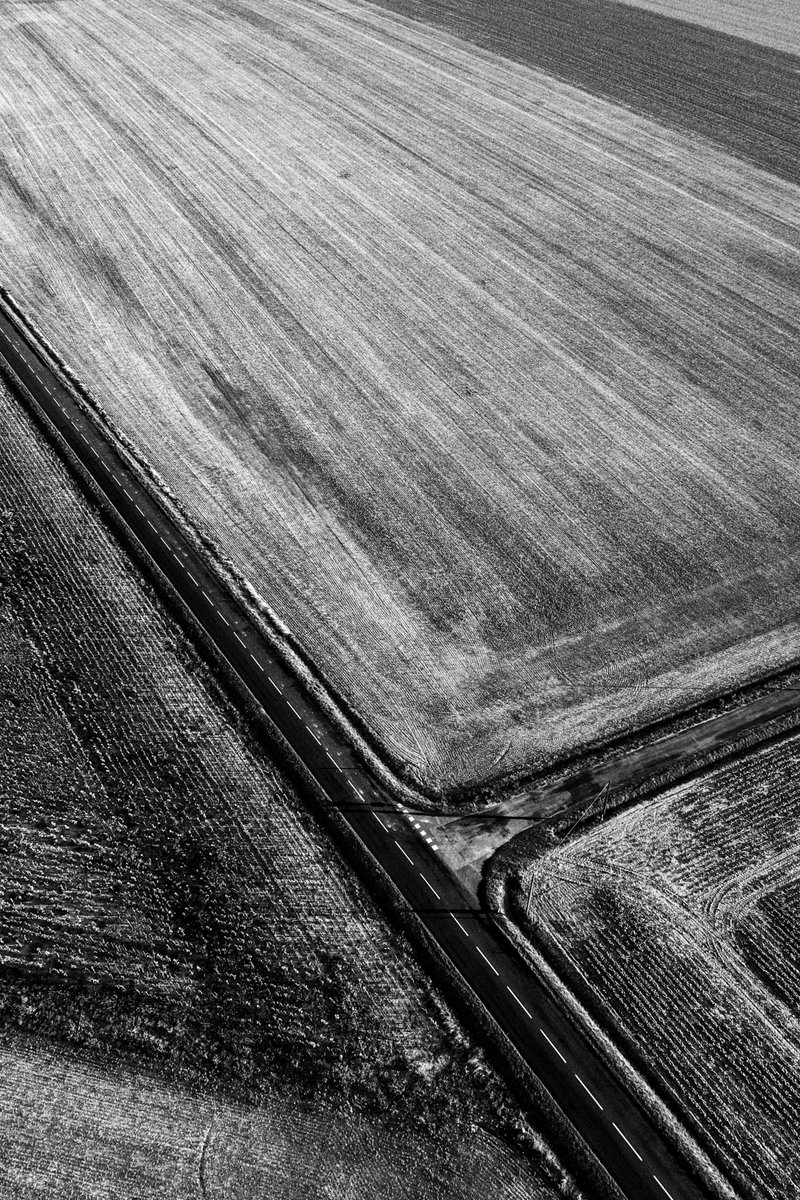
point(676, 924)
point(486, 384)
point(172, 914)
point(85, 1131)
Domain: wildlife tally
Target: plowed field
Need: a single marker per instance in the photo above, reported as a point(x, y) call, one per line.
point(676, 923)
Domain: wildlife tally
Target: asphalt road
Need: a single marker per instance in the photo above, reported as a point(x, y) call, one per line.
point(617, 1131)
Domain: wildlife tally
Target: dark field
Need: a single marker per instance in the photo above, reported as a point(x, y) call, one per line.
point(174, 923)
point(699, 78)
point(486, 386)
point(676, 923)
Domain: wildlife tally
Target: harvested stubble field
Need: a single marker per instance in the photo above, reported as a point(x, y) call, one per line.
point(676, 925)
point(171, 914)
point(775, 24)
point(81, 1131)
point(486, 385)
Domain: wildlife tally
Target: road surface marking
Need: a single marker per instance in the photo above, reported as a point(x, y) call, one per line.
point(94, 452)
point(519, 1002)
point(458, 923)
point(125, 490)
point(113, 476)
point(208, 598)
point(333, 760)
point(319, 743)
point(402, 851)
point(664, 1190)
point(194, 581)
point(239, 636)
point(588, 1091)
point(140, 510)
point(83, 435)
point(352, 785)
point(294, 710)
point(622, 1135)
point(274, 684)
point(380, 822)
point(434, 846)
point(159, 536)
point(485, 959)
point(255, 660)
point(555, 1047)
point(430, 885)
point(177, 560)
point(225, 619)
point(150, 523)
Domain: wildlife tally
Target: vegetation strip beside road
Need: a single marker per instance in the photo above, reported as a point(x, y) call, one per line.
point(482, 959)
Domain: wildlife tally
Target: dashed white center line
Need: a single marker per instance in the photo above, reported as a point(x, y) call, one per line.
point(94, 452)
point(194, 581)
point(140, 510)
point(225, 619)
point(625, 1140)
point(255, 660)
point(177, 560)
point(433, 889)
point(664, 1190)
point(402, 851)
point(239, 636)
point(555, 1047)
point(274, 684)
point(486, 960)
point(380, 822)
point(519, 1002)
point(294, 710)
point(113, 476)
point(150, 523)
point(127, 493)
point(588, 1091)
point(83, 435)
point(333, 760)
point(204, 593)
point(458, 923)
point(160, 538)
point(319, 743)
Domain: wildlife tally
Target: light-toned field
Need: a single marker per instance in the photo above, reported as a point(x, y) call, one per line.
point(169, 906)
point(486, 385)
point(676, 924)
point(73, 1131)
point(773, 23)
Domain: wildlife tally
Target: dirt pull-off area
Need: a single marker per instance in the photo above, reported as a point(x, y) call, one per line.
point(486, 385)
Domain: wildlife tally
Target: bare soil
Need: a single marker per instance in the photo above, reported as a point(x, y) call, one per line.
point(675, 924)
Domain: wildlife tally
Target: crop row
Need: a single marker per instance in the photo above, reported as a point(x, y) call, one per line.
point(698, 984)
